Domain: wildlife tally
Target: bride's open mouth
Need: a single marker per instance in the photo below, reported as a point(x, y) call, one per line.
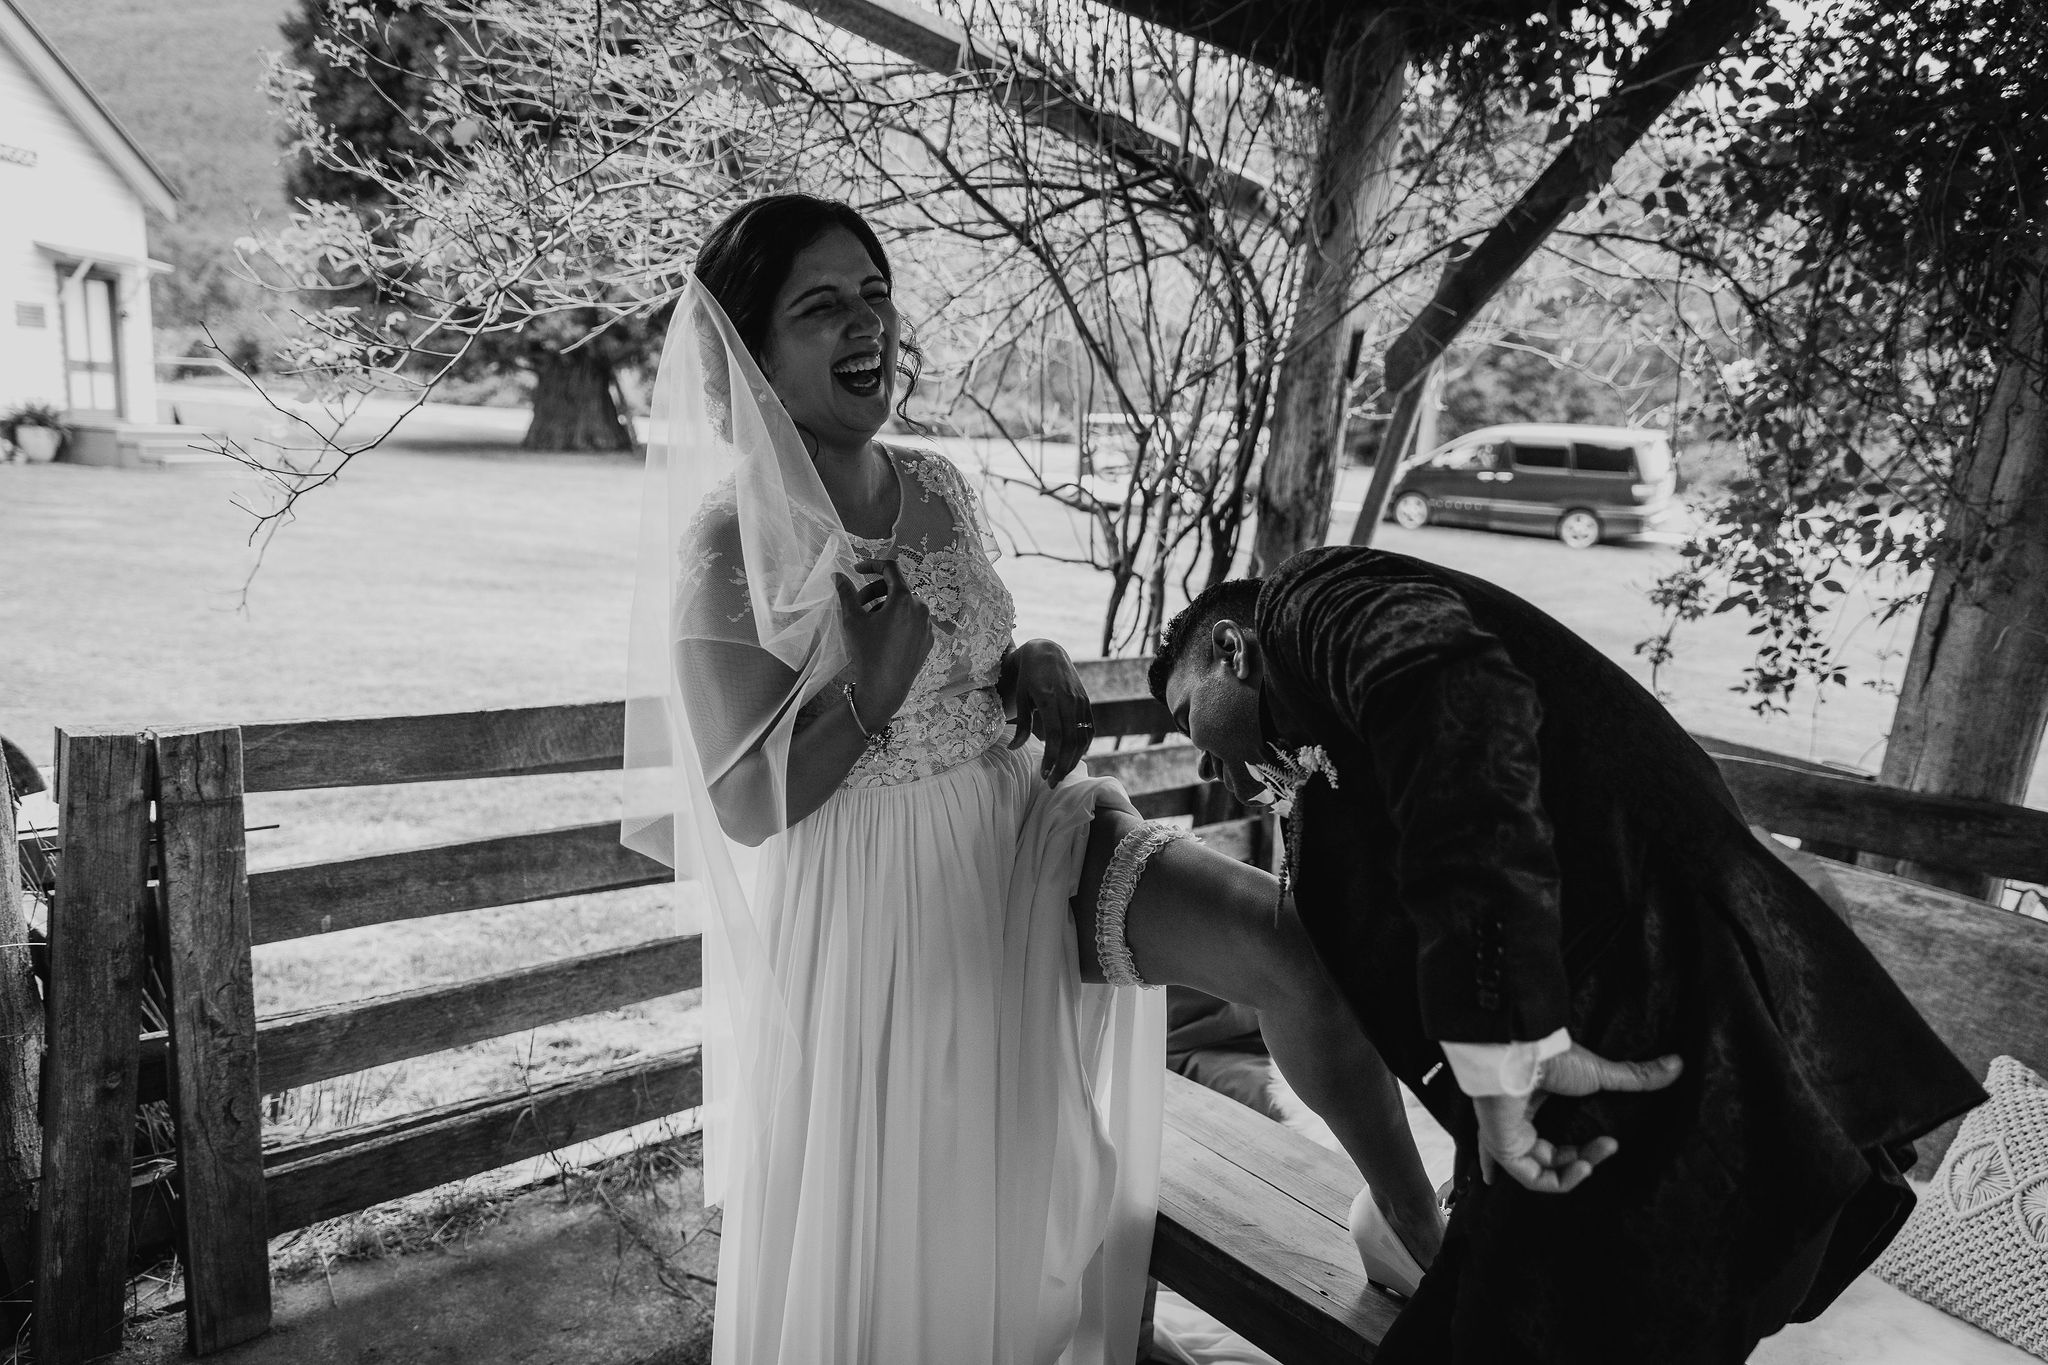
point(859, 375)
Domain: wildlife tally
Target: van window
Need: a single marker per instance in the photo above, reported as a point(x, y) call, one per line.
point(1542, 457)
point(1465, 458)
point(1592, 459)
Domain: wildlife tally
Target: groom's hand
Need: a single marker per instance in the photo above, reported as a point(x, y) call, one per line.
point(1508, 1140)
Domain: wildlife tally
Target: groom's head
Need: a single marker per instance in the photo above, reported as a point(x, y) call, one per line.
point(1208, 672)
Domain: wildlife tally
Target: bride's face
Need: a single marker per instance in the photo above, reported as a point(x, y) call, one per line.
point(832, 340)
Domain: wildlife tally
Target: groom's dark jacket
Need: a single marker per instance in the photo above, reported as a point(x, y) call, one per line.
point(1521, 838)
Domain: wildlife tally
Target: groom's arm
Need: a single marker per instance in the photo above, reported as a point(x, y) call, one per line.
point(1451, 727)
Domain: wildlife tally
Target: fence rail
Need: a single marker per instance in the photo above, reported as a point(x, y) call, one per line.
point(218, 1057)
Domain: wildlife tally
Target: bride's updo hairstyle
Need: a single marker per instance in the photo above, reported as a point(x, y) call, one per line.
point(746, 259)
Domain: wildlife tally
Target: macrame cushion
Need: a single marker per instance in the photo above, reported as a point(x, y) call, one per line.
point(1976, 1245)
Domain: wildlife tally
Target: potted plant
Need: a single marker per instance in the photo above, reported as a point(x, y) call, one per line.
point(35, 429)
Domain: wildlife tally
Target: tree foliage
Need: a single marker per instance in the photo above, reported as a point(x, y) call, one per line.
point(382, 99)
point(1869, 203)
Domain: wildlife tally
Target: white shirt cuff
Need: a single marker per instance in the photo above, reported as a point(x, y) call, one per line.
point(1502, 1068)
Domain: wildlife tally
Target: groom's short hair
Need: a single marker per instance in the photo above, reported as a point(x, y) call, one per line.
point(1234, 599)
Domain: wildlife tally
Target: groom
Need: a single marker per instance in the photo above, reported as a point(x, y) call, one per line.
point(1681, 1087)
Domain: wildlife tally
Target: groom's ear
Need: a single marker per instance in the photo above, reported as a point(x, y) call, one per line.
point(1238, 648)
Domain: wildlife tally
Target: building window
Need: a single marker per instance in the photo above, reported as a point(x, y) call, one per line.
point(92, 373)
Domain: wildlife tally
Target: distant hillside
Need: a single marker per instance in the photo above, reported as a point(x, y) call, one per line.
point(182, 76)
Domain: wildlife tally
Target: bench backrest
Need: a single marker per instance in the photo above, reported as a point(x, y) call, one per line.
point(1978, 973)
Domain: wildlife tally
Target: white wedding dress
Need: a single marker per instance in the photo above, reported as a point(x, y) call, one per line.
point(965, 1165)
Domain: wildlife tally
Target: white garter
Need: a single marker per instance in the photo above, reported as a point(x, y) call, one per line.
point(1113, 902)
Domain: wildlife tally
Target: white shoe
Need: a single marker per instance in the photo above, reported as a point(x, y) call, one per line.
point(1387, 1263)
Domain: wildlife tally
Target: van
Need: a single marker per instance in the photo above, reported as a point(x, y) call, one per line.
point(1581, 484)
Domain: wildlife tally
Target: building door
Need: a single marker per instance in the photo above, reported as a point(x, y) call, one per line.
point(92, 367)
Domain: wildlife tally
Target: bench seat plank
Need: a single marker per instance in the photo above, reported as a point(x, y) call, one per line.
point(1252, 1230)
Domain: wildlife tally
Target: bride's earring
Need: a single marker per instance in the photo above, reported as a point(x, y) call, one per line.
point(1113, 901)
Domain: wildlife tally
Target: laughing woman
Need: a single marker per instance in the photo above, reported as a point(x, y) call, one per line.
point(933, 1130)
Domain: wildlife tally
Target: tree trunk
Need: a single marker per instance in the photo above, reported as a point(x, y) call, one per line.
point(1975, 698)
point(575, 403)
point(1365, 77)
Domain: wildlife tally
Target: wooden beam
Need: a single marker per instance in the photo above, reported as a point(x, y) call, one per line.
point(348, 893)
point(1943, 831)
point(1253, 1229)
point(341, 1173)
point(205, 904)
point(939, 45)
point(296, 755)
point(1156, 768)
point(1693, 40)
point(1289, 39)
point(1350, 197)
point(94, 1006)
point(299, 755)
point(307, 1046)
point(1978, 974)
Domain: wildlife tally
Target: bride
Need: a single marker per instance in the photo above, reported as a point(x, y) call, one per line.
point(934, 1131)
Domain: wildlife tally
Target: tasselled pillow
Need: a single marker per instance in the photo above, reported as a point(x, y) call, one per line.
point(1976, 1245)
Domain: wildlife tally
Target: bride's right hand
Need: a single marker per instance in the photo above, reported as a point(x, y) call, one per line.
point(888, 635)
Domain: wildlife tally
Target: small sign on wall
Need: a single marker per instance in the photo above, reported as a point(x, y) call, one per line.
point(31, 315)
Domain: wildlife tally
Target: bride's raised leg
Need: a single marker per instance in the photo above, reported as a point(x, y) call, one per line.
point(1196, 917)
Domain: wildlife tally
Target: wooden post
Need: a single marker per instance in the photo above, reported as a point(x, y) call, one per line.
point(205, 901)
point(21, 1061)
point(1365, 78)
point(94, 1006)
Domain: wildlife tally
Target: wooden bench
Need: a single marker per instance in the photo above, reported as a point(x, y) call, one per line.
point(1253, 1216)
point(1252, 1220)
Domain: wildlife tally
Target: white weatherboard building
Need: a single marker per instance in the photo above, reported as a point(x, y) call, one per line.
point(74, 264)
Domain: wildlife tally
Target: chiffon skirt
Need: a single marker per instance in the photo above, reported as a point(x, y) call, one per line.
point(966, 1165)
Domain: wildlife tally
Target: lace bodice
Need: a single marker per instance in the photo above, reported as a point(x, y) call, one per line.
point(942, 544)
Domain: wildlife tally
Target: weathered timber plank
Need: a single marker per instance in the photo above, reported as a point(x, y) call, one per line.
point(307, 1046)
point(21, 1060)
point(1112, 680)
point(292, 755)
point(581, 737)
point(319, 898)
point(316, 1045)
point(1115, 719)
point(1943, 831)
point(436, 1147)
point(1173, 801)
point(93, 1005)
point(1978, 974)
point(1309, 1174)
point(1244, 1249)
point(205, 901)
point(1728, 748)
point(1243, 839)
point(1156, 768)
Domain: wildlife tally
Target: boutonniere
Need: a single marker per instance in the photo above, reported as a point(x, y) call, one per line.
point(1287, 773)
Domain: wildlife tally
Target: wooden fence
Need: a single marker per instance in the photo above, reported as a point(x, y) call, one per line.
point(152, 852)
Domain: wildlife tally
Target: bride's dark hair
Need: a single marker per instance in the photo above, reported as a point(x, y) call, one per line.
point(748, 256)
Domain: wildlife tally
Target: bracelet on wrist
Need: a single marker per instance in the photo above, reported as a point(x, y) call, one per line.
point(873, 737)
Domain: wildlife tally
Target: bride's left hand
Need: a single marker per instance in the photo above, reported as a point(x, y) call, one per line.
point(1051, 703)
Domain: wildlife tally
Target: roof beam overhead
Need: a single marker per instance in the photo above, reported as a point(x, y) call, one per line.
point(938, 45)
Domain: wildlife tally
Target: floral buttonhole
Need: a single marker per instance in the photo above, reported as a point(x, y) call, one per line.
point(1287, 774)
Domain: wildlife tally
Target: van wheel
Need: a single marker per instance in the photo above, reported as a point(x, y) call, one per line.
point(1411, 511)
point(1578, 529)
